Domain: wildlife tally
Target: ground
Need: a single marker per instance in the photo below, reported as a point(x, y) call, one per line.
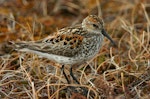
point(115, 73)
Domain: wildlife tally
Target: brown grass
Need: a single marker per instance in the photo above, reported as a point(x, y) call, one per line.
point(115, 73)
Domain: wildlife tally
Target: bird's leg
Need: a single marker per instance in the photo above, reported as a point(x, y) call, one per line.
point(70, 87)
point(85, 91)
point(62, 68)
point(73, 77)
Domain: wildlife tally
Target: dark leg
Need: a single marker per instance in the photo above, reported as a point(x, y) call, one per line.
point(85, 91)
point(73, 77)
point(69, 87)
point(62, 68)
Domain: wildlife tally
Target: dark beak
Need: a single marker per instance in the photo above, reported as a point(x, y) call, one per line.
point(106, 35)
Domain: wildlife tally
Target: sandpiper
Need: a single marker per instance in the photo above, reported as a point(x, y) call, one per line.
point(71, 45)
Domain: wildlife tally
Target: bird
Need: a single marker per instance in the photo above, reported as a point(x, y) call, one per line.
point(73, 45)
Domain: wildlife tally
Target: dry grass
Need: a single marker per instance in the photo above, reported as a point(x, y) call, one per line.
point(115, 73)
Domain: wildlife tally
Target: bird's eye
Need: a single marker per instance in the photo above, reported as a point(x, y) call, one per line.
point(94, 25)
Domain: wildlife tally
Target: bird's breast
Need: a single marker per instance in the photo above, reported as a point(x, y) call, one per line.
point(90, 48)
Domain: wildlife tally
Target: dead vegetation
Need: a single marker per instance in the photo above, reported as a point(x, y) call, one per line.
point(115, 73)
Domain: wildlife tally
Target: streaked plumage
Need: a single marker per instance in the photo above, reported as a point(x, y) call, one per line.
point(72, 45)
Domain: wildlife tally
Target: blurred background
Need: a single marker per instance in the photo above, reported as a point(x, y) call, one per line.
point(116, 73)
point(45, 16)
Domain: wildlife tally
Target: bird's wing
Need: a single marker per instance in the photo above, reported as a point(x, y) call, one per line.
point(66, 43)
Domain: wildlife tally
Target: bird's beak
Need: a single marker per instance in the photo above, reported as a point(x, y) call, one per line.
point(106, 35)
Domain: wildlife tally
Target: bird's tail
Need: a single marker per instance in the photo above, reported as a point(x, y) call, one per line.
point(10, 46)
point(20, 45)
point(6, 48)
